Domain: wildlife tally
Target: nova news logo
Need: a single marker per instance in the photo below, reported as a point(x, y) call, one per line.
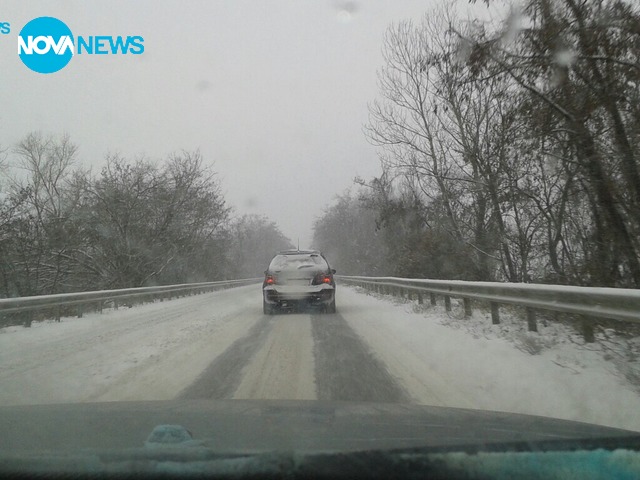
point(46, 45)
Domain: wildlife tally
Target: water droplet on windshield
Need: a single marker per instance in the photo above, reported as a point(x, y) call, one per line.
point(346, 10)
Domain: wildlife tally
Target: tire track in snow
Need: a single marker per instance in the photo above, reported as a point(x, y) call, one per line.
point(345, 369)
point(223, 376)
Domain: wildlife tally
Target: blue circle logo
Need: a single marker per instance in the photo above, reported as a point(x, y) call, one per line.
point(45, 45)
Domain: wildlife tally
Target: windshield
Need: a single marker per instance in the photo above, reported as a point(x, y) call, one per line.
point(456, 185)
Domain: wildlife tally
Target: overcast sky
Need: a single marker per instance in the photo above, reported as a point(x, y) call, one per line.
point(273, 93)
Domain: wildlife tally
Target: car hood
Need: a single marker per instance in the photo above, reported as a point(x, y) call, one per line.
point(278, 425)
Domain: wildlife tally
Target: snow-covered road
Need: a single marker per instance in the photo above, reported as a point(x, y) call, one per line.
point(220, 345)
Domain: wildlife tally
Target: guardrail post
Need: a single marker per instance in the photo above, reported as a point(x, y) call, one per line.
point(409, 295)
point(432, 297)
point(115, 303)
point(99, 307)
point(420, 298)
point(28, 318)
point(587, 329)
point(447, 303)
point(57, 313)
point(467, 307)
point(495, 313)
point(532, 325)
point(80, 310)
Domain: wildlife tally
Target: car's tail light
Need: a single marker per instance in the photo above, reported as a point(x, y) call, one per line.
point(270, 280)
point(322, 278)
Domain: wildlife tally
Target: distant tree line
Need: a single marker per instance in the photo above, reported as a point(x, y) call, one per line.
point(509, 151)
point(135, 223)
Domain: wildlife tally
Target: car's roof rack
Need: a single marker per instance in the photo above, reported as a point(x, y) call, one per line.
point(301, 252)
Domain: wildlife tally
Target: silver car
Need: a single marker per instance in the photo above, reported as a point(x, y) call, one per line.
point(297, 279)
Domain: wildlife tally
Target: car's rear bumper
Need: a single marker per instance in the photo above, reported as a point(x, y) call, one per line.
point(293, 294)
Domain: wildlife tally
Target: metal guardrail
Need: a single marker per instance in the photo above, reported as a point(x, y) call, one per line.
point(597, 302)
point(84, 300)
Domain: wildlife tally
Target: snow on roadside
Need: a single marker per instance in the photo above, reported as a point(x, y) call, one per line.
point(444, 359)
point(149, 352)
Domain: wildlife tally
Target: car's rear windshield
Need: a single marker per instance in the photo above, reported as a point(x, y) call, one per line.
point(290, 262)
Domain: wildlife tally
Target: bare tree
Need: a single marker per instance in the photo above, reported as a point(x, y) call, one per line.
point(579, 61)
point(437, 131)
point(41, 233)
point(151, 222)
